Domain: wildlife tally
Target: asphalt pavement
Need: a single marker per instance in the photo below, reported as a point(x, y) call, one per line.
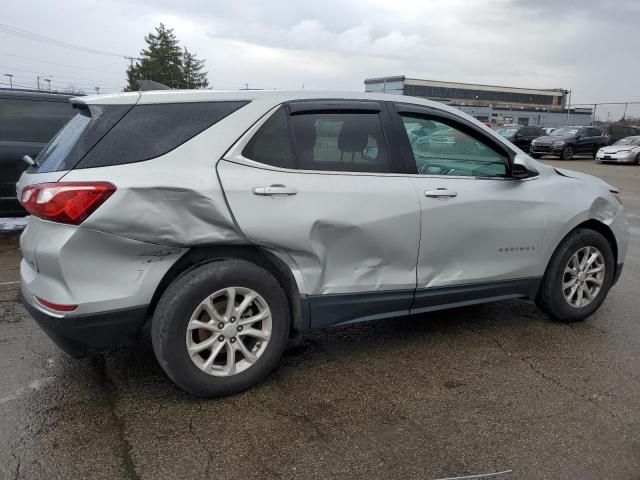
point(474, 390)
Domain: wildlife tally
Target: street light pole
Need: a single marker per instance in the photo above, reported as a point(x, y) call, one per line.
point(10, 80)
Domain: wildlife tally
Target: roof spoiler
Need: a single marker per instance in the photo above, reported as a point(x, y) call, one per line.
point(146, 85)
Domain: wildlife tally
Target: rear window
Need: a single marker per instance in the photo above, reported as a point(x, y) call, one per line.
point(37, 121)
point(79, 136)
point(52, 157)
point(149, 131)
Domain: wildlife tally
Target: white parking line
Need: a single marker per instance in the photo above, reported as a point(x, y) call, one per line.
point(9, 283)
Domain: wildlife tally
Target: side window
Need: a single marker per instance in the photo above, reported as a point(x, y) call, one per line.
point(271, 144)
point(440, 149)
point(351, 142)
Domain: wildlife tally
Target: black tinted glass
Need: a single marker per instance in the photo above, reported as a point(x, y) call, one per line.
point(148, 131)
point(272, 143)
point(97, 121)
point(352, 142)
point(32, 120)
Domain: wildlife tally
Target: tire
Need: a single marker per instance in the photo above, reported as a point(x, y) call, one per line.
point(637, 160)
point(186, 296)
point(551, 298)
point(567, 153)
point(536, 155)
point(594, 154)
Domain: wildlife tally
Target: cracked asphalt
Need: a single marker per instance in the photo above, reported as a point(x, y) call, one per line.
point(467, 391)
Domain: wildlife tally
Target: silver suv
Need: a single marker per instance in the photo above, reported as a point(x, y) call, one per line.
point(229, 222)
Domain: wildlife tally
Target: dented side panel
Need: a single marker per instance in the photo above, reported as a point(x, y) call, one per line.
point(346, 232)
point(96, 271)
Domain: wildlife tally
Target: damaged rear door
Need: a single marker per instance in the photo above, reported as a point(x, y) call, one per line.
point(315, 181)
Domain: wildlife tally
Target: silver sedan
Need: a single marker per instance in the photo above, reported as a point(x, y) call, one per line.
point(626, 150)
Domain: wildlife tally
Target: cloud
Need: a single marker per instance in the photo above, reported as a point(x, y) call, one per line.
point(584, 45)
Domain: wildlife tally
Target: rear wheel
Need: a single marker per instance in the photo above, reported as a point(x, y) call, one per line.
point(594, 154)
point(578, 277)
point(221, 327)
point(567, 153)
point(637, 160)
point(536, 155)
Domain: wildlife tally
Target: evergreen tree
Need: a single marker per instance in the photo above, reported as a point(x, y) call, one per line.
point(192, 71)
point(164, 61)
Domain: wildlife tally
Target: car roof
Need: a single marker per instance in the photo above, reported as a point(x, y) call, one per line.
point(273, 96)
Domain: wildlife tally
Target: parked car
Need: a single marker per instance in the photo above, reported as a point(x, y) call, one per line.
point(626, 150)
point(566, 141)
point(521, 136)
point(618, 132)
point(548, 130)
point(28, 120)
point(230, 221)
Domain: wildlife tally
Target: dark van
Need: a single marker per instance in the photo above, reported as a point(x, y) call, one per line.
point(28, 120)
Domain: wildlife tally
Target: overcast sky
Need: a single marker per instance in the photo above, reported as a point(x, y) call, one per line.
point(588, 46)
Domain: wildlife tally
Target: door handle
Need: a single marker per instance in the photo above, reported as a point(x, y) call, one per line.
point(440, 192)
point(274, 190)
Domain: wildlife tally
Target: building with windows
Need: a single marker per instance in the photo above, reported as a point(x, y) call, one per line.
point(498, 105)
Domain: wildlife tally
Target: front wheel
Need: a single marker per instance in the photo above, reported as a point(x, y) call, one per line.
point(567, 153)
point(637, 160)
point(220, 328)
point(578, 277)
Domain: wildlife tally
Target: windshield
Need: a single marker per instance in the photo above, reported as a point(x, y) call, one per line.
point(628, 141)
point(507, 132)
point(564, 132)
point(53, 155)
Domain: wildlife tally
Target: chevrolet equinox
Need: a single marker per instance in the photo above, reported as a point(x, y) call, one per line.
point(228, 222)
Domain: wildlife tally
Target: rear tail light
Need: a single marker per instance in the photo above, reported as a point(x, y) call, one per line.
point(65, 202)
point(56, 306)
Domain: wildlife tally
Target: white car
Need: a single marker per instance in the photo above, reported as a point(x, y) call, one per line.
point(626, 150)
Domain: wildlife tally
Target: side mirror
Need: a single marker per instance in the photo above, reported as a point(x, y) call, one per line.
point(520, 172)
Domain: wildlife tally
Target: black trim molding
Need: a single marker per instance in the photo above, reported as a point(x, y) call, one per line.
point(338, 309)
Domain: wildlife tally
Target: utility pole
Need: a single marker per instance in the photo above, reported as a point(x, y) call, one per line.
point(10, 80)
point(97, 89)
point(48, 80)
point(38, 82)
point(569, 106)
point(131, 59)
point(625, 111)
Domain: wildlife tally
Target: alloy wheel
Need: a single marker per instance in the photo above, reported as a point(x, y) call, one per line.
point(229, 331)
point(583, 277)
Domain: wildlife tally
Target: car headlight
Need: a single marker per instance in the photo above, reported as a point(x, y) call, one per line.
point(559, 143)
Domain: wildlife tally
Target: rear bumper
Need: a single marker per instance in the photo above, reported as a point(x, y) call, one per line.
point(83, 335)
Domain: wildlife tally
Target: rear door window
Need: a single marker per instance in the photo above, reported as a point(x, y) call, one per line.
point(352, 142)
point(272, 145)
